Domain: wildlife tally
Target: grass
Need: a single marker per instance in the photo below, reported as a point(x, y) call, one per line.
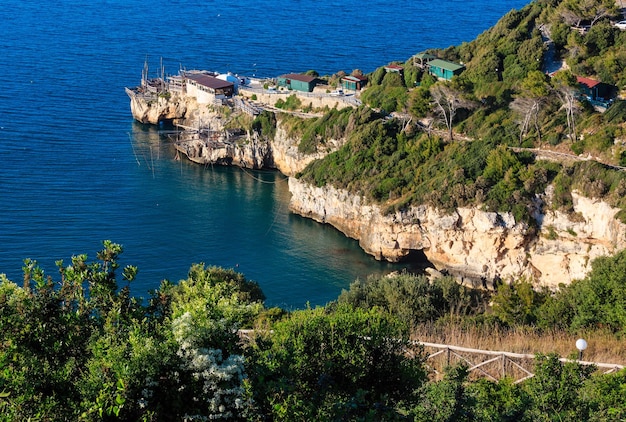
point(603, 347)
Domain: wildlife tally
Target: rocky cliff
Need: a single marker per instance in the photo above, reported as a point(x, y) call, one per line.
point(472, 242)
point(288, 159)
point(253, 151)
point(469, 241)
point(153, 109)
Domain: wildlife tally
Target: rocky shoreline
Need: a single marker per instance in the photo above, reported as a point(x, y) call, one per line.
point(478, 244)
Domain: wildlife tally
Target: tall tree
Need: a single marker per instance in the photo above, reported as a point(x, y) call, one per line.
point(533, 93)
point(566, 88)
point(576, 11)
point(448, 100)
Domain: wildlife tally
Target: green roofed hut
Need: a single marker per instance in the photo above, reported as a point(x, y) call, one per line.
point(443, 69)
point(298, 82)
point(353, 82)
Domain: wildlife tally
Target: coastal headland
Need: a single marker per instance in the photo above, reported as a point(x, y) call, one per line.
point(481, 247)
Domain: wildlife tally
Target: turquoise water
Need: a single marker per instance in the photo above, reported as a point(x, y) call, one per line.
point(75, 168)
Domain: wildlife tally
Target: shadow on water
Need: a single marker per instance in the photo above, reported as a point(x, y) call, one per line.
point(237, 218)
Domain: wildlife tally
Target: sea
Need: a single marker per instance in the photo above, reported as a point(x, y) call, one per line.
point(75, 169)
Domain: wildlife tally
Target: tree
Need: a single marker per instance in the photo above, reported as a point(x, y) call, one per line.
point(554, 391)
point(447, 400)
point(534, 90)
point(517, 303)
point(566, 89)
point(420, 102)
point(334, 363)
point(84, 349)
point(46, 327)
point(448, 101)
point(576, 11)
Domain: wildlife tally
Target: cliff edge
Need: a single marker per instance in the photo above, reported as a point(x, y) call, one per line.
point(479, 244)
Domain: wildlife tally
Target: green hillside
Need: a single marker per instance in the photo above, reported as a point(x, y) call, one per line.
point(469, 139)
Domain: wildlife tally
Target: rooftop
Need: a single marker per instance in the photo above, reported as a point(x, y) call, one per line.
point(444, 64)
point(208, 81)
point(426, 56)
point(300, 77)
point(590, 83)
point(355, 78)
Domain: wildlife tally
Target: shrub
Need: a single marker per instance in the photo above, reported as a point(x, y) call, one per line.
point(338, 363)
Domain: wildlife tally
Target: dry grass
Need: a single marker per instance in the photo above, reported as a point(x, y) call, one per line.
point(603, 347)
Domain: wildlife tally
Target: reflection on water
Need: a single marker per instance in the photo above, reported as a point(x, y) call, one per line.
point(238, 218)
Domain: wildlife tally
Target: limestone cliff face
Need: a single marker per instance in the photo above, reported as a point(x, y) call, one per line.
point(288, 159)
point(253, 151)
point(157, 109)
point(470, 241)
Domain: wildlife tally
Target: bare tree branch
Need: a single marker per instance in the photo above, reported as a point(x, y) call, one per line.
point(447, 102)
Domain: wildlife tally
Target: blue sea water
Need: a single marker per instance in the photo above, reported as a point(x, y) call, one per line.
point(75, 168)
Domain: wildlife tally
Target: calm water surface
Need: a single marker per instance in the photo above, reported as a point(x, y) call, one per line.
point(77, 170)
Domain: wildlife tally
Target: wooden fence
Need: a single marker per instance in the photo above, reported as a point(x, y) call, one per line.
point(490, 364)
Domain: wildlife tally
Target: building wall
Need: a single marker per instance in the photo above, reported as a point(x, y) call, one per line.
point(295, 84)
point(200, 93)
point(444, 73)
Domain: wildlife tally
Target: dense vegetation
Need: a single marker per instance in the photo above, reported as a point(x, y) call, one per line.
point(471, 137)
point(81, 348)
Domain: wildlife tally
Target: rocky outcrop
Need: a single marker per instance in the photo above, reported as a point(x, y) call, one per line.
point(153, 109)
point(469, 241)
point(472, 242)
point(289, 160)
point(251, 150)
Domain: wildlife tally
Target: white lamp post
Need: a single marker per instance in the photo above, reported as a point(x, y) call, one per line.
point(581, 344)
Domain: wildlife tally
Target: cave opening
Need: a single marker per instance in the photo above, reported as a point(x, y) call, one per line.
point(416, 261)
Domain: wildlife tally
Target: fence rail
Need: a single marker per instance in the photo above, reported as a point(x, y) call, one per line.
point(490, 364)
point(493, 364)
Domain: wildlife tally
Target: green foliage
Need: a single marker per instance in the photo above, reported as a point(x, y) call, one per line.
point(599, 300)
point(447, 400)
point(503, 401)
point(412, 74)
point(419, 102)
point(500, 161)
point(291, 103)
point(412, 298)
point(388, 93)
point(45, 325)
point(605, 395)
point(616, 113)
point(559, 33)
point(83, 349)
point(395, 165)
point(334, 364)
point(314, 133)
point(265, 123)
point(517, 303)
point(554, 391)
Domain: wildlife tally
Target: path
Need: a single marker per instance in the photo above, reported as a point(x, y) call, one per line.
point(550, 62)
point(547, 154)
